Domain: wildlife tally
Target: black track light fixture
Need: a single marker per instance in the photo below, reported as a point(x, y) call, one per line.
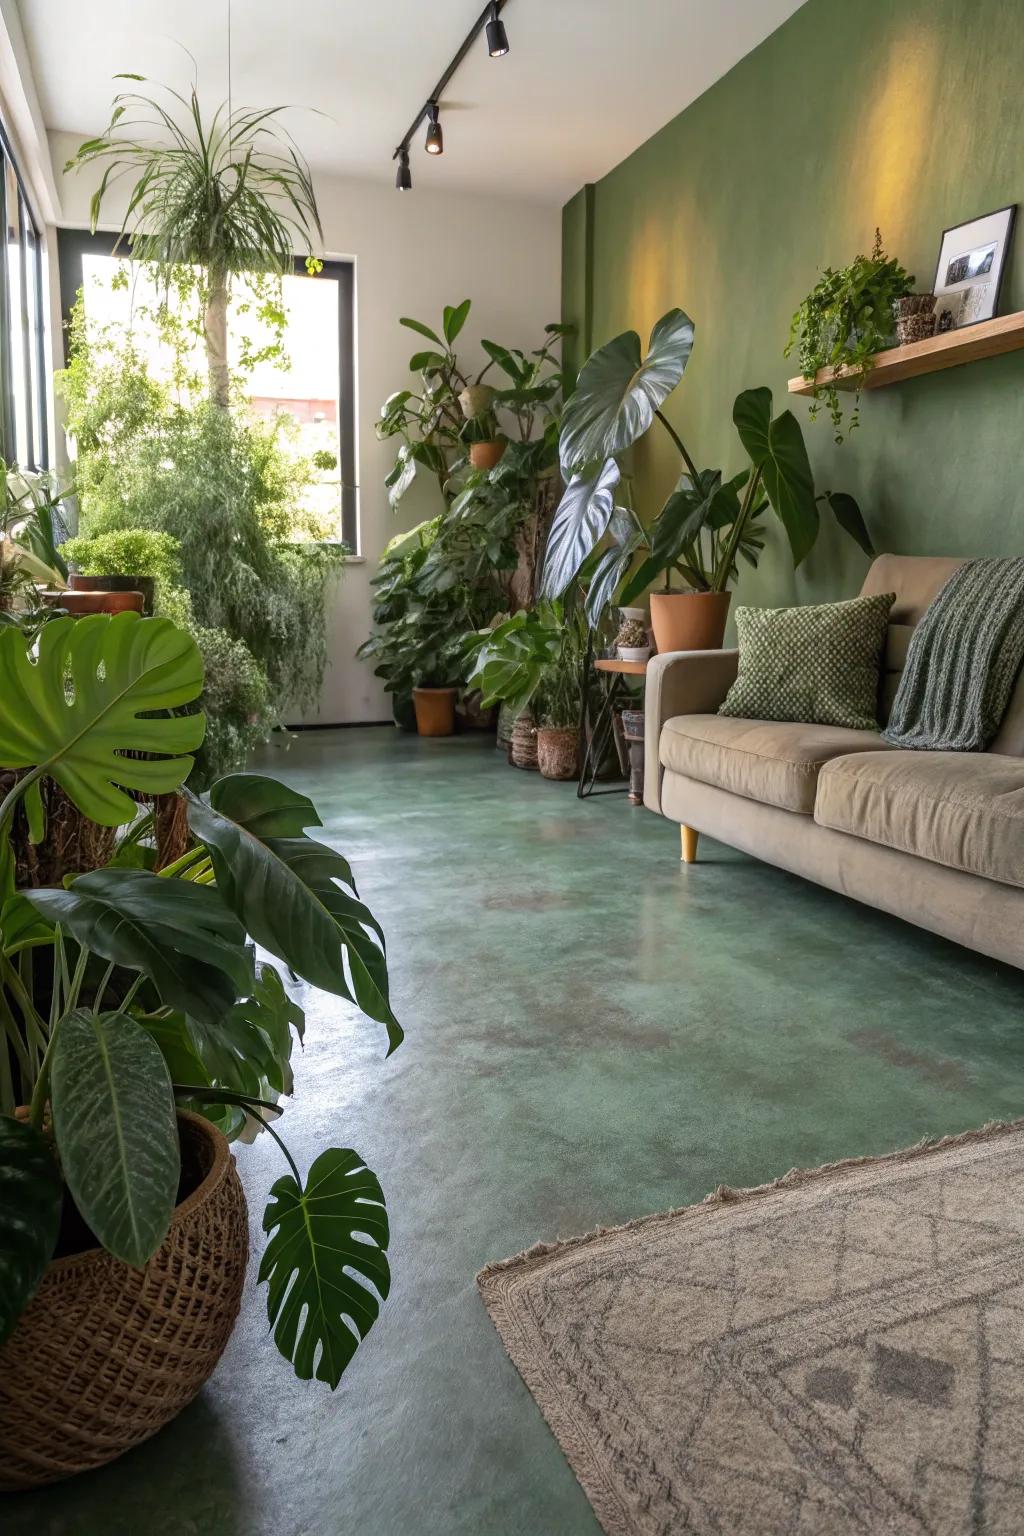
point(435, 133)
point(497, 37)
point(490, 23)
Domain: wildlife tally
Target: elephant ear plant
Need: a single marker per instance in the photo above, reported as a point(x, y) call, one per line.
point(709, 520)
point(129, 991)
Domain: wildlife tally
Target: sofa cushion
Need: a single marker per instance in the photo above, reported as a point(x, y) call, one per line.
point(964, 810)
point(819, 662)
point(771, 760)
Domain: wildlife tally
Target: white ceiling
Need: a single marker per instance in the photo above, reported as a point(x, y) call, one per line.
point(585, 82)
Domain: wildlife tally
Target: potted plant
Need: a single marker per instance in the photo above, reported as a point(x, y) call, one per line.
point(632, 642)
point(138, 1028)
point(29, 556)
point(846, 318)
point(123, 560)
point(708, 522)
point(485, 441)
point(533, 661)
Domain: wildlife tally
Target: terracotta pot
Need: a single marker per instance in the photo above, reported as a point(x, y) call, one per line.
point(95, 602)
point(558, 751)
point(487, 455)
point(689, 621)
point(435, 711)
point(144, 584)
point(105, 1355)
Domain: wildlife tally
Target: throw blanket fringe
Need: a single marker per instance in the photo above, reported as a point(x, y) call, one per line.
point(963, 661)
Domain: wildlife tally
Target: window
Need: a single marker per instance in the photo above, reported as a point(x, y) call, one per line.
point(23, 428)
point(315, 392)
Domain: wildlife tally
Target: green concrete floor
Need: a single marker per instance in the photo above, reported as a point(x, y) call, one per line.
point(594, 1032)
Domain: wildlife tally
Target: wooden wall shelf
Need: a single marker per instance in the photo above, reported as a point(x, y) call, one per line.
point(989, 338)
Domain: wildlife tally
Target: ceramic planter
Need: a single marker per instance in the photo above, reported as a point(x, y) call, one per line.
point(487, 455)
point(105, 1355)
point(634, 652)
point(476, 400)
point(435, 711)
point(689, 621)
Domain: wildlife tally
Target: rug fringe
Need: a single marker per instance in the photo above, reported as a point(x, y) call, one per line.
point(725, 1194)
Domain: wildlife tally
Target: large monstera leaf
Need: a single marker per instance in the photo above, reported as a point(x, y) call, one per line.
point(81, 704)
point(284, 888)
point(618, 391)
point(777, 449)
point(30, 1202)
point(323, 1279)
point(180, 935)
point(578, 526)
point(116, 1130)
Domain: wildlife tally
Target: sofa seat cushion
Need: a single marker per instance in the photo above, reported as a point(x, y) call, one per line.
point(775, 761)
point(964, 810)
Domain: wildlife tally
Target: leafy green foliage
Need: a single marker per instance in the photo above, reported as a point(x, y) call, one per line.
point(579, 524)
point(619, 391)
point(534, 657)
point(30, 1203)
point(115, 1128)
point(238, 703)
point(126, 552)
point(90, 697)
point(708, 522)
point(325, 1264)
point(29, 505)
point(291, 894)
point(846, 318)
point(180, 935)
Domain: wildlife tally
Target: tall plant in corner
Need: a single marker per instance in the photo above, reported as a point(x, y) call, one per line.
point(221, 198)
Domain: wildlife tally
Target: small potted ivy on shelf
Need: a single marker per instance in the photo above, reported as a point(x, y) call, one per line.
point(848, 316)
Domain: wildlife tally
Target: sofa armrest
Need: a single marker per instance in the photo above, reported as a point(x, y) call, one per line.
point(680, 683)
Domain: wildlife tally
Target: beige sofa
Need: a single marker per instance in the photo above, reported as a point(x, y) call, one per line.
point(936, 838)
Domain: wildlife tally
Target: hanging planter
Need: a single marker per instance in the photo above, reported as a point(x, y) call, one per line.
point(476, 400)
point(487, 455)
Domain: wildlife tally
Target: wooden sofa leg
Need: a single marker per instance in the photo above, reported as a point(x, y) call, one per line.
point(688, 838)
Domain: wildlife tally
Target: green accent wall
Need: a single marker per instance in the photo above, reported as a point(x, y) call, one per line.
point(898, 113)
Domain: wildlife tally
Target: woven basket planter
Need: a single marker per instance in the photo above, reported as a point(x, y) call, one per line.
point(524, 743)
point(915, 318)
point(558, 752)
point(105, 1355)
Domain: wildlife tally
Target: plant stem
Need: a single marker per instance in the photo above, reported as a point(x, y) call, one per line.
point(674, 435)
point(736, 532)
point(40, 1092)
point(11, 799)
point(190, 856)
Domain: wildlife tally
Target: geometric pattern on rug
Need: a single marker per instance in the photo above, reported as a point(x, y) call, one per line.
point(841, 1352)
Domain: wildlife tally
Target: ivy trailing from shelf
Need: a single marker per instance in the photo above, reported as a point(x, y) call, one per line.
point(847, 317)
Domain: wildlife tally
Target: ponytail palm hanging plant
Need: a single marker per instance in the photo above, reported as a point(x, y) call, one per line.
point(127, 991)
point(214, 199)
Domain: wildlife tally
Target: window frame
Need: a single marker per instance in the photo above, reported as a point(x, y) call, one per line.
point(35, 375)
point(74, 244)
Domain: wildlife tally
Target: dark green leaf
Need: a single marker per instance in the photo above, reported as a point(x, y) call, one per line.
point(618, 391)
point(777, 449)
point(424, 330)
point(30, 1204)
point(425, 362)
point(848, 516)
point(316, 1305)
point(285, 891)
point(182, 936)
point(578, 526)
point(116, 1130)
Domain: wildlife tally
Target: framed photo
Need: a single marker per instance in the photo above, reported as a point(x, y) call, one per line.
point(970, 269)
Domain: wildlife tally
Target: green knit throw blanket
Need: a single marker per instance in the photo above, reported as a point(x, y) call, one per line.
point(963, 661)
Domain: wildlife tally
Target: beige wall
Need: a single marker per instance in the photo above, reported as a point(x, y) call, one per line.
point(414, 252)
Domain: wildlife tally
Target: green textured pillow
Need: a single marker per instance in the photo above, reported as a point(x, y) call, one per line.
point(817, 664)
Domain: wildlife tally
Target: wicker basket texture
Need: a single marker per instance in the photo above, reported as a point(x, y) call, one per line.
point(105, 1355)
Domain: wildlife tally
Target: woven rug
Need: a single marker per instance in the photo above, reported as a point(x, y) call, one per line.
point(839, 1352)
